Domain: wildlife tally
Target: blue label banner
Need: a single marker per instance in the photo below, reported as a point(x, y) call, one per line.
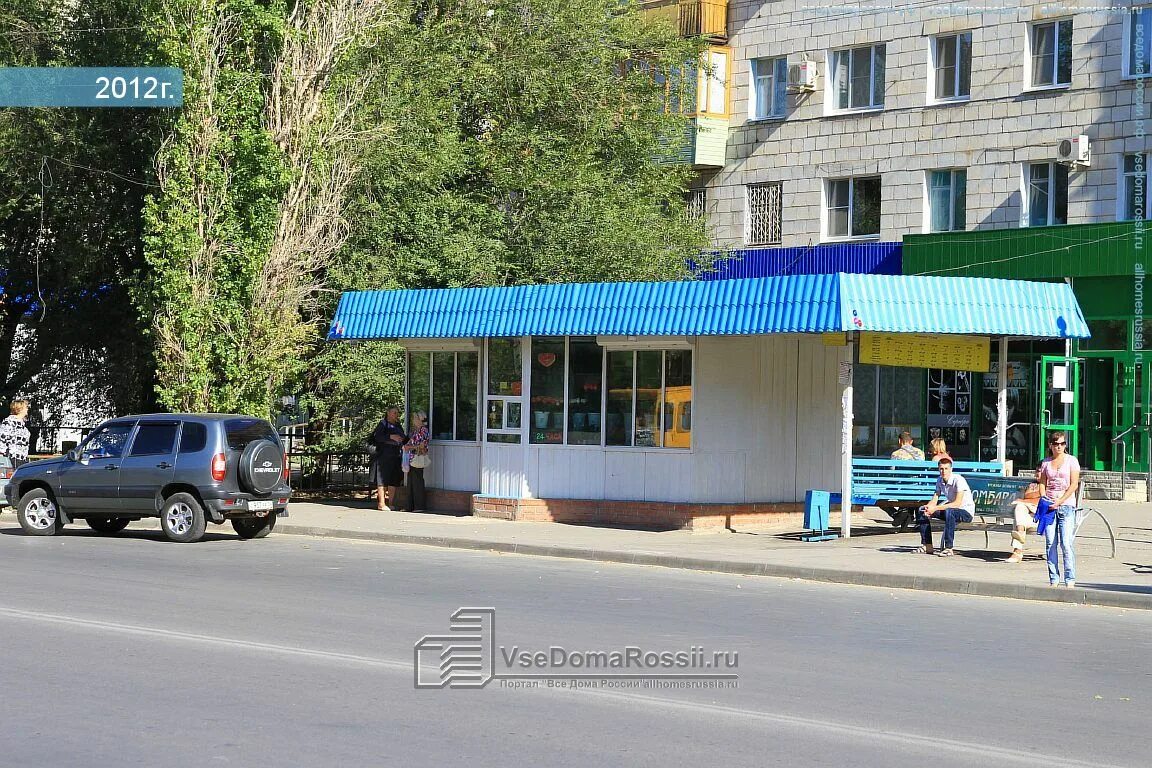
point(91, 87)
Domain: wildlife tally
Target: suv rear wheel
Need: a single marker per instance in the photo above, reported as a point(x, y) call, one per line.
point(254, 527)
point(107, 524)
point(37, 513)
point(182, 518)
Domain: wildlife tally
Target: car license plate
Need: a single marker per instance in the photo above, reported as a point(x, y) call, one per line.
point(257, 506)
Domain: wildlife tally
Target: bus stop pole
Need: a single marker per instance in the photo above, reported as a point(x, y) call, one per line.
point(1002, 401)
point(845, 379)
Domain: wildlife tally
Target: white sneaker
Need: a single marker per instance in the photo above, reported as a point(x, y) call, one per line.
point(1070, 584)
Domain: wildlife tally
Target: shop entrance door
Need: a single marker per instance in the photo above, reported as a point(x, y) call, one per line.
point(1098, 414)
point(1059, 394)
point(1131, 407)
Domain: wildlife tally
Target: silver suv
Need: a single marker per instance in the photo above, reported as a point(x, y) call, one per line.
point(186, 469)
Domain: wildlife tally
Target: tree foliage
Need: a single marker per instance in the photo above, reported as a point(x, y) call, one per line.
point(72, 185)
point(524, 147)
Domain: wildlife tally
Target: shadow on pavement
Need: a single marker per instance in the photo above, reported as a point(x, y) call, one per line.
point(1133, 588)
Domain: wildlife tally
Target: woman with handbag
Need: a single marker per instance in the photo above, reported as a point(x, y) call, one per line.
point(387, 474)
point(1059, 476)
point(418, 459)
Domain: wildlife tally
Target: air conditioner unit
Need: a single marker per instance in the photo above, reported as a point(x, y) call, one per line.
point(1077, 151)
point(802, 77)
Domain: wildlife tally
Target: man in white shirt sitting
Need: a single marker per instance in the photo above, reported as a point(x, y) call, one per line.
point(957, 507)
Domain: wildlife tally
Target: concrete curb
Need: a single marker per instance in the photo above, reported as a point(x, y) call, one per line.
point(1079, 596)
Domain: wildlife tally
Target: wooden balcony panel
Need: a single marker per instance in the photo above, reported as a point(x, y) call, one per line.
point(704, 18)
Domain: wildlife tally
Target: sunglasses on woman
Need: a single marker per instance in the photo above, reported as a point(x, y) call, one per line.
point(1060, 443)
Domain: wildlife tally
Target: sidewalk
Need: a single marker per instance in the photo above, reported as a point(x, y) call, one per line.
point(876, 555)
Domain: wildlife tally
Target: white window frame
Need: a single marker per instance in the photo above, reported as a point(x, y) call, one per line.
point(777, 109)
point(1122, 186)
point(1129, 41)
point(748, 224)
point(1029, 37)
point(525, 383)
point(1026, 208)
point(455, 351)
point(831, 90)
point(951, 199)
point(633, 349)
point(933, 66)
point(826, 211)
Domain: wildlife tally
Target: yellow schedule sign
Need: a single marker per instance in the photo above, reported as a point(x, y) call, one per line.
point(921, 350)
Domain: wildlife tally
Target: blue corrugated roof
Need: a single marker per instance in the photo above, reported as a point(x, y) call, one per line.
point(750, 306)
point(829, 258)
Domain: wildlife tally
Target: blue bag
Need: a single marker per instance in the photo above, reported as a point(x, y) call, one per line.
point(1045, 516)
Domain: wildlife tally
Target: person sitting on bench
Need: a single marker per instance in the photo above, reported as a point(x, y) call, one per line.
point(958, 507)
point(902, 516)
point(1024, 520)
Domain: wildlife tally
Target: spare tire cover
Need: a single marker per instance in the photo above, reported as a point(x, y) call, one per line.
point(261, 466)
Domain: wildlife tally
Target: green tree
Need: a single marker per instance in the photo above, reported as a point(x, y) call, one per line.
point(523, 150)
point(72, 186)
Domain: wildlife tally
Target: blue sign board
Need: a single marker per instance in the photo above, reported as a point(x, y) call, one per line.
point(91, 87)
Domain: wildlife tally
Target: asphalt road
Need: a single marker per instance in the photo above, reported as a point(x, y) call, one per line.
point(128, 650)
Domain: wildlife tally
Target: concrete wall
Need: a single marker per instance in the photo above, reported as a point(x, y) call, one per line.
point(991, 135)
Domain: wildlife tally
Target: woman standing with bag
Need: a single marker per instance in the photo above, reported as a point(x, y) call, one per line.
point(1059, 476)
point(387, 475)
point(418, 459)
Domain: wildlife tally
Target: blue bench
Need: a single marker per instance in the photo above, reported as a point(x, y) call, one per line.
point(913, 483)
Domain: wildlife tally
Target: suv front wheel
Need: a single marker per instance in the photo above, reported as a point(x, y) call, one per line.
point(37, 513)
point(182, 518)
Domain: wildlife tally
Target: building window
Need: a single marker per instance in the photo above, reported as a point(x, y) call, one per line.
point(547, 402)
point(503, 408)
point(1138, 43)
point(696, 204)
point(952, 67)
point(858, 78)
point(853, 207)
point(649, 402)
point(946, 200)
point(443, 385)
point(585, 378)
point(1135, 187)
point(1050, 54)
point(712, 87)
point(1047, 194)
point(769, 95)
point(764, 211)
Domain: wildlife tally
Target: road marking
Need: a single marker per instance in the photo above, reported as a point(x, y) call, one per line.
point(226, 642)
point(827, 728)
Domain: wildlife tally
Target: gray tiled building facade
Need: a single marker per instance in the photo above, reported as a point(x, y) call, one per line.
point(947, 116)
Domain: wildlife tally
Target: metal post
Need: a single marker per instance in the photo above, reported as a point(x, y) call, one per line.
point(1002, 403)
point(845, 380)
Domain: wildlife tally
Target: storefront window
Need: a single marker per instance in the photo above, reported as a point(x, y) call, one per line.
point(443, 385)
point(864, 409)
point(618, 419)
point(1107, 335)
point(650, 399)
point(648, 380)
point(547, 418)
point(466, 363)
point(443, 395)
point(419, 379)
point(901, 407)
point(678, 399)
point(504, 367)
point(585, 369)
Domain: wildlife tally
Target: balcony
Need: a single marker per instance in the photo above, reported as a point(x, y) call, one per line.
point(704, 145)
point(696, 18)
point(704, 18)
